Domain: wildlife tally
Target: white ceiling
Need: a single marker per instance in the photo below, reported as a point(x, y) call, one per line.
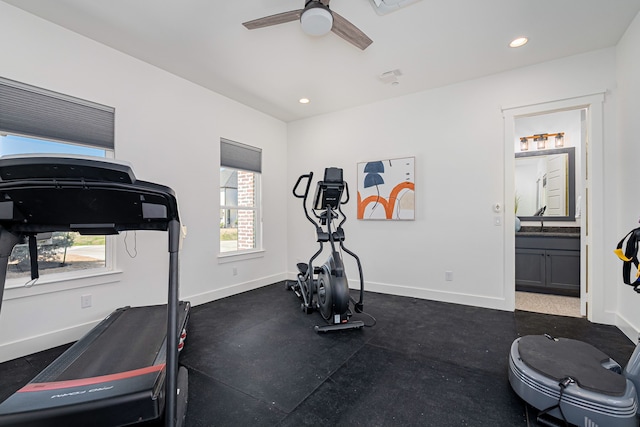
point(433, 42)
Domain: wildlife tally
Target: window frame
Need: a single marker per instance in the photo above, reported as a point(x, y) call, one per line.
point(256, 208)
point(242, 158)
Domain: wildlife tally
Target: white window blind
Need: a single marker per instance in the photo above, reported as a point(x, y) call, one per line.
point(33, 111)
point(240, 156)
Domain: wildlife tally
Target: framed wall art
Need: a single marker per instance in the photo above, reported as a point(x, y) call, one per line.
point(386, 189)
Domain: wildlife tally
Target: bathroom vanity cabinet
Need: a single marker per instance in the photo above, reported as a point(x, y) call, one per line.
point(548, 263)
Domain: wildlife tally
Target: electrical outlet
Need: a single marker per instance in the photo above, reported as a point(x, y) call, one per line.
point(448, 276)
point(235, 271)
point(85, 301)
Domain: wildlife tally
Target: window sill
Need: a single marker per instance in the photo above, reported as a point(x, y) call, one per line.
point(15, 288)
point(225, 257)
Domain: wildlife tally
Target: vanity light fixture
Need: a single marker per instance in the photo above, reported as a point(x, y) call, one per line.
point(541, 141)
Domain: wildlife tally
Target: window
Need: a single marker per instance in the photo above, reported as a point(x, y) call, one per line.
point(240, 167)
point(34, 120)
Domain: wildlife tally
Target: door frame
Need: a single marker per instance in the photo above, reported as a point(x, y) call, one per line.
point(592, 245)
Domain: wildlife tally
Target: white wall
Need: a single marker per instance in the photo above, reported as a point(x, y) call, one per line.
point(626, 171)
point(169, 129)
point(456, 134)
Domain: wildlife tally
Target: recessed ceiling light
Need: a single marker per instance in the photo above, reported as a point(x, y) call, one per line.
point(520, 41)
point(304, 101)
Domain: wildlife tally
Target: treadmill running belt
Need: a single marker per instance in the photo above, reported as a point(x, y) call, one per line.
point(128, 339)
point(132, 342)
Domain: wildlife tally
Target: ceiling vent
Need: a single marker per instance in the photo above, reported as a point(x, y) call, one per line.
point(383, 7)
point(390, 77)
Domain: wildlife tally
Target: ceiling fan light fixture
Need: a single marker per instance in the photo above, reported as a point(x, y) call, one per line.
point(316, 21)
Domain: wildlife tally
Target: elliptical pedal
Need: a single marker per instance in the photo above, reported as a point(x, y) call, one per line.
point(355, 324)
point(303, 268)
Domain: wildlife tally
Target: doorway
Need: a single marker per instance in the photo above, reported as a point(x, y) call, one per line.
point(587, 139)
point(548, 165)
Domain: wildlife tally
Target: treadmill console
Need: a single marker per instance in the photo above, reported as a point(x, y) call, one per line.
point(45, 193)
point(65, 168)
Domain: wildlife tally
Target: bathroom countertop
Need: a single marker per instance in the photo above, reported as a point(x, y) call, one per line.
point(549, 231)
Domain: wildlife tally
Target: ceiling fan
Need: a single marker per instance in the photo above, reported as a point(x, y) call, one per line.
point(316, 19)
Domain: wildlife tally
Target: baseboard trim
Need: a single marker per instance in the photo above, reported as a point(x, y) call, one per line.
point(234, 289)
point(15, 349)
point(435, 295)
point(631, 331)
point(430, 294)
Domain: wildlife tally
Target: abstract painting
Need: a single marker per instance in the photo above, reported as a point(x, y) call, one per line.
point(386, 189)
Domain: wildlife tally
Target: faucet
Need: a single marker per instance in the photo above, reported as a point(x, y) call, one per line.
point(540, 213)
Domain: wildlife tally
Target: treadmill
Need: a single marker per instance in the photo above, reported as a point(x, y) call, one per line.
point(125, 370)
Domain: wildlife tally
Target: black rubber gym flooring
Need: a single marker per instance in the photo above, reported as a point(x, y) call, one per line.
point(255, 360)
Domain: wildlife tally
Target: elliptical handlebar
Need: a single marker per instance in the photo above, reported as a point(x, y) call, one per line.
point(309, 177)
point(304, 196)
point(346, 190)
point(344, 217)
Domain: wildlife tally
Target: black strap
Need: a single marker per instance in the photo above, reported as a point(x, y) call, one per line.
point(33, 256)
point(563, 385)
point(630, 257)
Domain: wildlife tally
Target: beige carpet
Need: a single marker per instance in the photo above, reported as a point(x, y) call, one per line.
point(549, 304)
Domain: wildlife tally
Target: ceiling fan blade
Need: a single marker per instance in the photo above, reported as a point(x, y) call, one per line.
point(349, 32)
point(279, 18)
point(325, 2)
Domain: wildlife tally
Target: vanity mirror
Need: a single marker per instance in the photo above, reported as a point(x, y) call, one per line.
point(545, 183)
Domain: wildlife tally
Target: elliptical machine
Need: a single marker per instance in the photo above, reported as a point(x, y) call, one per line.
point(326, 287)
point(575, 382)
